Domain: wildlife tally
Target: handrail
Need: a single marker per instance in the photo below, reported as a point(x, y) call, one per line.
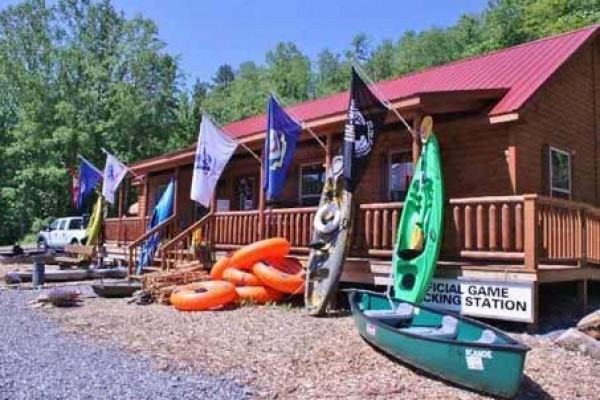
point(236, 213)
point(133, 245)
point(290, 210)
point(187, 231)
point(379, 206)
point(151, 232)
point(487, 199)
point(183, 234)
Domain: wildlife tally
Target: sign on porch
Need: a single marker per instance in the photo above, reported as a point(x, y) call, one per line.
point(499, 300)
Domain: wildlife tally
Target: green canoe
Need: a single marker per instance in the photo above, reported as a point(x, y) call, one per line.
point(452, 347)
point(419, 235)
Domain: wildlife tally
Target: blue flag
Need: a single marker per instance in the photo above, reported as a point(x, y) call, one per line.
point(162, 211)
point(89, 176)
point(280, 143)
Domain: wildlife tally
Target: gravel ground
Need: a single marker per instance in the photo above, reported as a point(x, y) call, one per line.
point(39, 361)
point(282, 353)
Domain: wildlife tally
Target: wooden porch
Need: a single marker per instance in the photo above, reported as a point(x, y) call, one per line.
point(523, 233)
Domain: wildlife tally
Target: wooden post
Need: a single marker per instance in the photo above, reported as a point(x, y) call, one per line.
point(176, 201)
point(120, 214)
point(535, 295)
point(582, 294)
point(261, 202)
point(142, 210)
point(583, 243)
point(530, 215)
point(416, 144)
point(328, 145)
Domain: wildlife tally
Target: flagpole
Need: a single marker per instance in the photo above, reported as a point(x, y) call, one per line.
point(381, 97)
point(298, 120)
point(207, 115)
point(89, 163)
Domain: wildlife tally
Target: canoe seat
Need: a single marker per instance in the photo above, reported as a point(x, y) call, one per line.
point(408, 254)
point(487, 337)
point(448, 329)
point(404, 311)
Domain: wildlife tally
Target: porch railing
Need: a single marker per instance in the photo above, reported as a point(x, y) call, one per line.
point(569, 231)
point(479, 227)
point(180, 248)
point(125, 230)
point(524, 230)
point(165, 229)
point(231, 229)
point(296, 224)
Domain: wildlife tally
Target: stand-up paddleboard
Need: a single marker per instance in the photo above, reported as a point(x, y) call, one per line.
point(332, 226)
point(419, 237)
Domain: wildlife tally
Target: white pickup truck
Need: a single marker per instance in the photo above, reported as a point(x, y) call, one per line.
point(62, 231)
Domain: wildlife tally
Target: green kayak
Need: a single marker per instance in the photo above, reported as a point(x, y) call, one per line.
point(419, 235)
point(450, 346)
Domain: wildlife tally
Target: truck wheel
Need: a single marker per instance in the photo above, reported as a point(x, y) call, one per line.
point(41, 244)
point(74, 241)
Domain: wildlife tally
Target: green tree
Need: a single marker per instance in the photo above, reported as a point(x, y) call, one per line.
point(289, 72)
point(78, 76)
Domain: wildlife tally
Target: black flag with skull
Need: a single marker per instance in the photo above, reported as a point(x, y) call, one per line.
point(366, 114)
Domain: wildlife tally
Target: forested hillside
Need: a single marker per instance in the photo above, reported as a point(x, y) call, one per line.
point(77, 75)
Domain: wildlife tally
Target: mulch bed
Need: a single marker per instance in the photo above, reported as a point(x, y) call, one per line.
point(282, 353)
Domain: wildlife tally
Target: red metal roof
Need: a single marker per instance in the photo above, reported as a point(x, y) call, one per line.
point(521, 69)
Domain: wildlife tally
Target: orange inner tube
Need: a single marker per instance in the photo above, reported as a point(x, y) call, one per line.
point(240, 278)
point(219, 268)
point(247, 256)
point(258, 294)
point(279, 280)
point(203, 296)
point(290, 265)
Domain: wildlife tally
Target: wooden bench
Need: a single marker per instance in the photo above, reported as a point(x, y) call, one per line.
point(76, 255)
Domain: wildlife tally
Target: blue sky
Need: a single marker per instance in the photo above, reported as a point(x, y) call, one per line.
point(208, 33)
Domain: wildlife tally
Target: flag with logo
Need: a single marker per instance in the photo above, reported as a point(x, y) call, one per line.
point(213, 151)
point(114, 172)
point(89, 176)
point(280, 143)
point(366, 114)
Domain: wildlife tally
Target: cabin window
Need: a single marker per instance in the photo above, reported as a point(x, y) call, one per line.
point(312, 179)
point(560, 173)
point(400, 174)
point(244, 193)
point(159, 192)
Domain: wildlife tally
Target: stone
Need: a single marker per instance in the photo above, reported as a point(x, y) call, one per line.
point(590, 324)
point(575, 340)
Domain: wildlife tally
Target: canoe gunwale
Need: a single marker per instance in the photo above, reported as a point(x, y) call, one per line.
point(513, 345)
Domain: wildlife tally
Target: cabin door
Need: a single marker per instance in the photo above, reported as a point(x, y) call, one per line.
point(245, 193)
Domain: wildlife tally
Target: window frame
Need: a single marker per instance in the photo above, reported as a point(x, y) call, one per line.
point(392, 153)
point(552, 189)
point(301, 197)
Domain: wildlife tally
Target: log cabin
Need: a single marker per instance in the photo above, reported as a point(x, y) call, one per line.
point(519, 131)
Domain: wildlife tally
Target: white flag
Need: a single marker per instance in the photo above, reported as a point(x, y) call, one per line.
point(114, 172)
point(213, 151)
